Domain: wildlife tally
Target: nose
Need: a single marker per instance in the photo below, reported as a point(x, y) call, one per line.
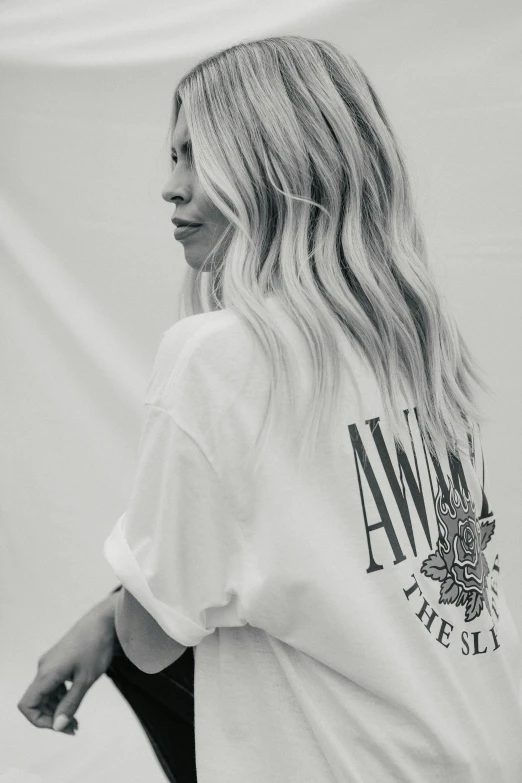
point(174, 190)
point(167, 194)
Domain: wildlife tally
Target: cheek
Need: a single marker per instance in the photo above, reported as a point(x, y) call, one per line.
point(212, 214)
point(217, 220)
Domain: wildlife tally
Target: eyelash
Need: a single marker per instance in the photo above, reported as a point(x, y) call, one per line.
point(175, 160)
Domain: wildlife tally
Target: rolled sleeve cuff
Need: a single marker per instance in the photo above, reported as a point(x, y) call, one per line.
point(119, 556)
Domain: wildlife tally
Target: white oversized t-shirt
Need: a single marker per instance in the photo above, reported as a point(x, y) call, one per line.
point(349, 622)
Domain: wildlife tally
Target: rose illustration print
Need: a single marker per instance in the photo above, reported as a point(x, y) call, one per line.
point(458, 561)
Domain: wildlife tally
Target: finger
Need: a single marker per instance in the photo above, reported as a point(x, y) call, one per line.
point(32, 704)
point(71, 701)
point(41, 693)
point(50, 709)
point(58, 693)
point(54, 698)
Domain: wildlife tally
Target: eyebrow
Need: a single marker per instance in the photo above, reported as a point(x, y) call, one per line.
point(186, 148)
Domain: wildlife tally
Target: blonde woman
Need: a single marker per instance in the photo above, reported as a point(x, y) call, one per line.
point(310, 523)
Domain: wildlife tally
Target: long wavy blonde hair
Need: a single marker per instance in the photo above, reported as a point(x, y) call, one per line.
point(293, 146)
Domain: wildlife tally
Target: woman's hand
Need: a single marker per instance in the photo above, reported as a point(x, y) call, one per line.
point(80, 657)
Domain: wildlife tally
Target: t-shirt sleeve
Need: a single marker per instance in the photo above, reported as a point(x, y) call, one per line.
point(179, 548)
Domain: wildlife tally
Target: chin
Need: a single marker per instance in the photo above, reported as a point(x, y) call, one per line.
point(198, 260)
point(192, 258)
point(195, 263)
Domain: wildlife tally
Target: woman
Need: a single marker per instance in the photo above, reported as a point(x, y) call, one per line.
point(309, 512)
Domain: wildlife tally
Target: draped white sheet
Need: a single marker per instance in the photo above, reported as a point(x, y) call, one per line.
point(90, 273)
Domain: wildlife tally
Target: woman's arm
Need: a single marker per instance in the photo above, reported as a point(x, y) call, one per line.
point(143, 641)
point(80, 657)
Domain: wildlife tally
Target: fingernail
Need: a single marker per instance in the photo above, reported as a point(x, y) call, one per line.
point(60, 722)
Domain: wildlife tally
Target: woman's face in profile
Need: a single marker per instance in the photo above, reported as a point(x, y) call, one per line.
point(192, 204)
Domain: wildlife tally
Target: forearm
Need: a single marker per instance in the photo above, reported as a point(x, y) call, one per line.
point(107, 607)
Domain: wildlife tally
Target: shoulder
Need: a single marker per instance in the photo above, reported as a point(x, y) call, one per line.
point(200, 330)
point(197, 351)
point(216, 338)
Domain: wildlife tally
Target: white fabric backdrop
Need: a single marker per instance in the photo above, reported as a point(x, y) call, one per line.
point(90, 273)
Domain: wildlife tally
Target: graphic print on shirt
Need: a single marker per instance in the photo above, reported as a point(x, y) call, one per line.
point(457, 559)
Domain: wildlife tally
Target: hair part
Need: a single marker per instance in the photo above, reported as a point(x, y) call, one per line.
point(308, 172)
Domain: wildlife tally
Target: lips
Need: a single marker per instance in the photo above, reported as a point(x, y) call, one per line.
point(180, 232)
